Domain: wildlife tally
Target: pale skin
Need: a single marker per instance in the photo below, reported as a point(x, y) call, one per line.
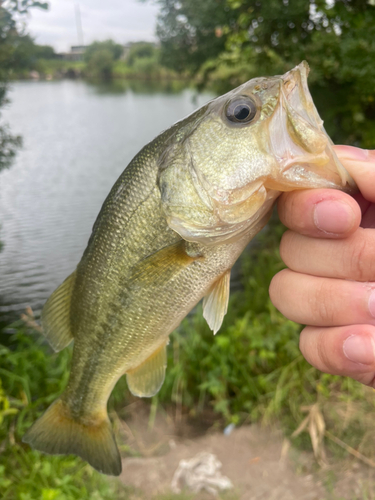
point(330, 281)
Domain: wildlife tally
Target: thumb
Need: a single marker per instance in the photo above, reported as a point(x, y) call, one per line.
point(360, 163)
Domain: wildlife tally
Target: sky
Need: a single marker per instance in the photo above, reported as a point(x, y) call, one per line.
point(122, 20)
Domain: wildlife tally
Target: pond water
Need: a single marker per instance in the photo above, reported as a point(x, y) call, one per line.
point(78, 138)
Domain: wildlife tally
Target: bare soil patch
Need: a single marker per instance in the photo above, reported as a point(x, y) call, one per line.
point(259, 461)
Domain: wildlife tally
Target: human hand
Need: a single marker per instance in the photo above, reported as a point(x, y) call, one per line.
point(330, 281)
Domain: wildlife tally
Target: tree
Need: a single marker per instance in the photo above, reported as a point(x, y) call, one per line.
point(44, 52)
point(140, 50)
point(100, 64)
point(190, 32)
point(114, 48)
point(100, 58)
point(234, 40)
point(9, 40)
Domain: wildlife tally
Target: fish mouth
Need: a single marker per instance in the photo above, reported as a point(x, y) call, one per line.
point(301, 146)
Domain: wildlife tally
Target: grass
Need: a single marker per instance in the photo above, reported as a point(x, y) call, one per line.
point(31, 377)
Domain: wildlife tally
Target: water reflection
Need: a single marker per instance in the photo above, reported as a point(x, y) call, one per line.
point(78, 138)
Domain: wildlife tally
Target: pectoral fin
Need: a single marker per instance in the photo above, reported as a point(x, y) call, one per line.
point(161, 266)
point(56, 315)
point(146, 380)
point(215, 304)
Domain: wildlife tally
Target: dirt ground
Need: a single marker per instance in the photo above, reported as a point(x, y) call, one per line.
point(260, 462)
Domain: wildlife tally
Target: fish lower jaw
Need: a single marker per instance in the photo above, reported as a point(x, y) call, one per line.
point(306, 175)
point(306, 161)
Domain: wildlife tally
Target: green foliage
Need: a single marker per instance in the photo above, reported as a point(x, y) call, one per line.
point(31, 377)
point(142, 61)
point(14, 50)
point(141, 50)
point(100, 58)
point(190, 32)
point(59, 68)
point(44, 52)
point(100, 65)
point(23, 6)
point(15, 47)
point(26, 55)
point(115, 49)
point(231, 41)
point(9, 144)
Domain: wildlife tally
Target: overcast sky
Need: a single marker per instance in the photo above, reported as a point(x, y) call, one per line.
point(121, 20)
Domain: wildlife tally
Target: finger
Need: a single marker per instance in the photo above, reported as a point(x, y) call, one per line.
point(351, 258)
point(360, 163)
point(368, 218)
point(344, 350)
point(322, 301)
point(319, 213)
point(362, 202)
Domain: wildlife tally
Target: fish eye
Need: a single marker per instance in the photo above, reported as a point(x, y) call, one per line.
point(241, 110)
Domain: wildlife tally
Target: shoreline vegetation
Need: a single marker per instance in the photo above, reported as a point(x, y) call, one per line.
point(59, 69)
point(99, 62)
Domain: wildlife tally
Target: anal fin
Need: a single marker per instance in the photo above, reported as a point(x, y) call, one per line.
point(56, 315)
point(215, 303)
point(146, 380)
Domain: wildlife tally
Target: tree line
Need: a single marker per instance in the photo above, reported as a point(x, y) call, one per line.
point(227, 42)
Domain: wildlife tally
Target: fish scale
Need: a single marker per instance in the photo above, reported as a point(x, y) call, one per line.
point(167, 236)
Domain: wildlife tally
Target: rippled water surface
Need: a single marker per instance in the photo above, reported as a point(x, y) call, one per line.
point(77, 140)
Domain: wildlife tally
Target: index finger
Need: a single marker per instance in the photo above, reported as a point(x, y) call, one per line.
point(320, 213)
point(360, 163)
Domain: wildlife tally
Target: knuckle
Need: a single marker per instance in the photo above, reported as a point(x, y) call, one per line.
point(287, 209)
point(285, 244)
point(359, 262)
point(293, 248)
point(329, 361)
point(323, 353)
point(315, 348)
point(321, 304)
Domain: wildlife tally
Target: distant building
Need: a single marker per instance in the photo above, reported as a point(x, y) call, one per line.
point(75, 54)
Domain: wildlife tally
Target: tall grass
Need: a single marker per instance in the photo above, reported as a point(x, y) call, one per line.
point(31, 377)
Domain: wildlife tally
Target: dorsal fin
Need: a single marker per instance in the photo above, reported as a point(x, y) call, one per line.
point(56, 315)
point(215, 303)
point(146, 380)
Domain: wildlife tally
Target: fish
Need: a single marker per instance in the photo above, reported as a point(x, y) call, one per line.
point(167, 236)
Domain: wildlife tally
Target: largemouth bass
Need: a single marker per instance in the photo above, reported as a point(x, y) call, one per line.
point(167, 236)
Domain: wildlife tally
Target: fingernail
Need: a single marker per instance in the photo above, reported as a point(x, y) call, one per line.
point(359, 349)
point(352, 153)
point(371, 303)
point(333, 216)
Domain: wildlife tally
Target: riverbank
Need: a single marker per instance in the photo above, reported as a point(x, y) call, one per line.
point(143, 69)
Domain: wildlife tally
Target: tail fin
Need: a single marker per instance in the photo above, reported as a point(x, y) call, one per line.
point(57, 433)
